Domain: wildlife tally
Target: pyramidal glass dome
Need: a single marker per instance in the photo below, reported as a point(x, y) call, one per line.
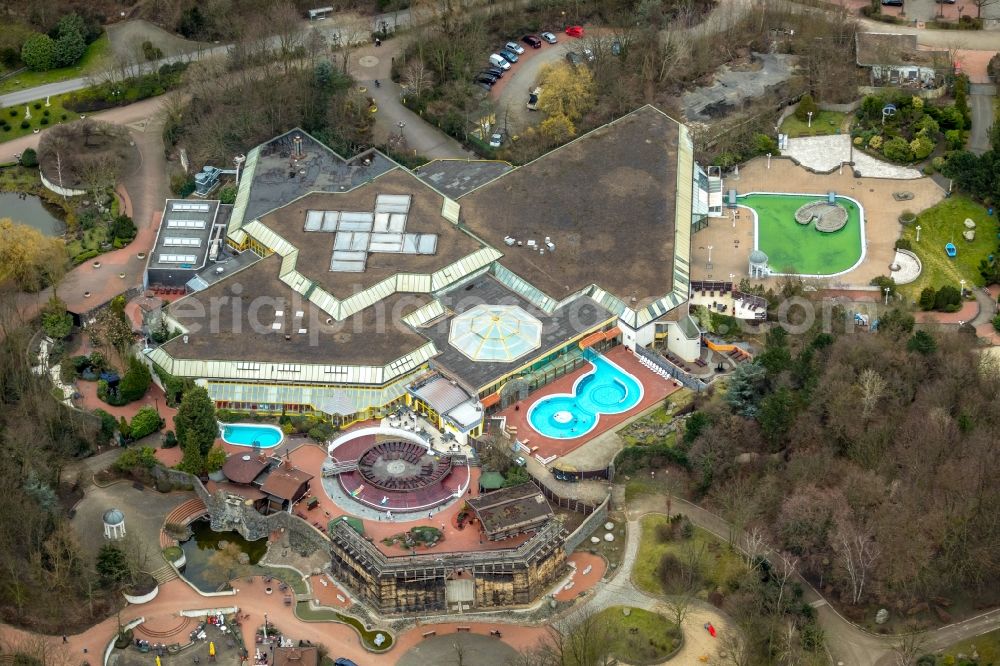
point(495, 333)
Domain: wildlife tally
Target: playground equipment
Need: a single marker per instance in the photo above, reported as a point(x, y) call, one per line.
point(951, 250)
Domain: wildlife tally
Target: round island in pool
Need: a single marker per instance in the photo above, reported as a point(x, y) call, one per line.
point(606, 389)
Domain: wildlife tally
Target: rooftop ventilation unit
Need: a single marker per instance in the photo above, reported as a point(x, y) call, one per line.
point(509, 240)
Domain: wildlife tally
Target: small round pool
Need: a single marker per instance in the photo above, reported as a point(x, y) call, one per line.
point(252, 434)
point(606, 389)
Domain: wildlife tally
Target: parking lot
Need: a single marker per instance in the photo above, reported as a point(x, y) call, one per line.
point(510, 94)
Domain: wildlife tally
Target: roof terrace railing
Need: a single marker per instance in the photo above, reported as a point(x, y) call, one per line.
point(546, 539)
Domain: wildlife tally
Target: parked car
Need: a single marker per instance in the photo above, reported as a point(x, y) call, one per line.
point(588, 54)
point(514, 47)
point(509, 56)
point(499, 61)
point(495, 71)
point(520, 461)
point(892, 3)
point(574, 58)
point(549, 37)
point(343, 661)
point(616, 46)
point(496, 140)
point(533, 99)
point(532, 41)
point(483, 78)
point(485, 86)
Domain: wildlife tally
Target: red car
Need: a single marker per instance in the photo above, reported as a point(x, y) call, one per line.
point(575, 31)
point(532, 41)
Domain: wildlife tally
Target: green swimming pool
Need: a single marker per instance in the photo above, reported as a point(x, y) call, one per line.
point(799, 249)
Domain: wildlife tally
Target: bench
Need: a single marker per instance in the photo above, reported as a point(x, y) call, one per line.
point(466, 629)
point(429, 634)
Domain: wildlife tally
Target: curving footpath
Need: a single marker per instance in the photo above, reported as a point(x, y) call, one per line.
point(619, 590)
point(847, 643)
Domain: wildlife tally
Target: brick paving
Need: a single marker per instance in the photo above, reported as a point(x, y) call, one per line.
point(582, 582)
point(968, 312)
point(875, 194)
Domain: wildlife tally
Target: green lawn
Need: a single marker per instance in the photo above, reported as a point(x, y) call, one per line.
point(944, 223)
point(93, 60)
point(56, 113)
point(641, 637)
point(987, 645)
point(824, 122)
point(799, 248)
point(718, 564)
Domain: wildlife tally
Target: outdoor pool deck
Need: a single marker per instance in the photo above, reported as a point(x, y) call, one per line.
point(882, 211)
point(802, 249)
point(655, 389)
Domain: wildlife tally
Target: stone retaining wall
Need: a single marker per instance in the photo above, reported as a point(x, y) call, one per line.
point(597, 518)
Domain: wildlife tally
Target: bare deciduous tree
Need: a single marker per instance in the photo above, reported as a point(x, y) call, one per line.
point(417, 78)
point(858, 553)
point(872, 387)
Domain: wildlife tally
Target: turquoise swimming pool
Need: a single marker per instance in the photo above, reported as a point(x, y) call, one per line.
point(606, 389)
point(252, 434)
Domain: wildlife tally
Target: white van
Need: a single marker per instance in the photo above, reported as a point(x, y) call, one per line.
point(499, 61)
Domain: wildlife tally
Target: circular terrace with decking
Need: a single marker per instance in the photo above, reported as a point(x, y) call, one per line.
point(393, 471)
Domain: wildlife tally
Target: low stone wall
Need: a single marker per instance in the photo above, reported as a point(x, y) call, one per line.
point(932, 93)
point(841, 108)
point(62, 191)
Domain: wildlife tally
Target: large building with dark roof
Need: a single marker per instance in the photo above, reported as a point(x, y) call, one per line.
point(347, 287)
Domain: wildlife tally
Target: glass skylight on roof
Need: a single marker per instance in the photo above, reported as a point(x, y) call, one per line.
point(185, 224)
point(495, 333)
point(188, 206)
point(174, 241)
point(178, 258)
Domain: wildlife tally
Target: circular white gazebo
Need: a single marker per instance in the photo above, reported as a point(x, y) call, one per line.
point(114, 525)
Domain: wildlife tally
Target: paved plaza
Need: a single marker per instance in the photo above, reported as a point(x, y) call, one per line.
point(826, 153)
point(731, 244)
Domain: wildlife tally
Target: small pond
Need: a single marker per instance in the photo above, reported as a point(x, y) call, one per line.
point(214, 558)
point(32, 211)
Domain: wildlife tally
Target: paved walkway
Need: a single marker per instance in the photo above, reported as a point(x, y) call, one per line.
point(621, 591)
point(371, 63)
point(981, 98)
point(826, 153)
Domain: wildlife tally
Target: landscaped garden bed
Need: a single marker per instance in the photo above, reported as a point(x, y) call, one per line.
point(903, 129)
